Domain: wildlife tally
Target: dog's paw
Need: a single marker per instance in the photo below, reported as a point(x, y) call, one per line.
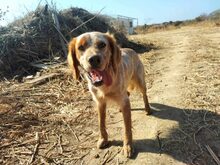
point(128, 151)
point(102, 143)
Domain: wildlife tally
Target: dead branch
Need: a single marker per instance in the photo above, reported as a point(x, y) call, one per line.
point(35, 148)
point(43, 79)
point(62, 38)
point(96, 15)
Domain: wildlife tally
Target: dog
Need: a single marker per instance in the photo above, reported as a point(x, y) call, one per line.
point(112, 73)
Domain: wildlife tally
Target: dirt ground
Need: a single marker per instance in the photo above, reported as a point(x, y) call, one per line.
point(54, 122)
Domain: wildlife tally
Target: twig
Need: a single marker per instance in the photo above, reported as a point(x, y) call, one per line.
point(204, 117)
point(62, 38)
point(17, 143)
point(73, 132)
point(44, 161)
point(42, 79)
point(23, 152)
point(159, 141)
point(35, 148)
point(61, 34)
point(116, 122)
point(7, 144)
point(112, 157)
point(184, 132)
point(105, 158)
point(81, 157)
point(194, 135)
point(50, 148)
point(59, 143)
point(213, 154)
point(26, 142)
point(87, 20)
point(106, 153)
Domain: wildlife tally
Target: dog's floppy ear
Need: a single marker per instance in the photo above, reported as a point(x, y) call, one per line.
point(72, 60)
point(115, 51)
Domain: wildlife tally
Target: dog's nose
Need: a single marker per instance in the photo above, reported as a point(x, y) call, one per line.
point(95, 61)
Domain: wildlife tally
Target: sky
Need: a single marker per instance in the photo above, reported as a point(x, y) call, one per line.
point(147, 11)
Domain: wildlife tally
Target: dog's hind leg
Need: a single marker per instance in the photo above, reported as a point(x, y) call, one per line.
point(141, 85)
point(146, 103)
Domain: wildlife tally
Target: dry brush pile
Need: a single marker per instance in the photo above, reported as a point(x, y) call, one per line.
point(44, 34)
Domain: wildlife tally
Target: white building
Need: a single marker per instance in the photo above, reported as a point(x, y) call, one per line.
point(127, 23)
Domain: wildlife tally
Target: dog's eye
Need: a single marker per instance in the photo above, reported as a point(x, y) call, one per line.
point(101, 45)
point(81, 48)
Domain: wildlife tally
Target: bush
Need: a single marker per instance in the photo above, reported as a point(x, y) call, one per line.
point(202, 17)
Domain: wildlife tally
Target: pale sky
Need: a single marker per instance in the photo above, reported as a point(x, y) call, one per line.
point(147, 11)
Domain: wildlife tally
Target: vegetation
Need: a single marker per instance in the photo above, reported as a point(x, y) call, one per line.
point(212, 19)
point(43, 35)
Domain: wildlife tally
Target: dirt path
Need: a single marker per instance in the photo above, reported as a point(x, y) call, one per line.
point(164, 138)
point(166, 90)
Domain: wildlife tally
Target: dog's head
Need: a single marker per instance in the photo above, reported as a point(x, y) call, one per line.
point(97, 53)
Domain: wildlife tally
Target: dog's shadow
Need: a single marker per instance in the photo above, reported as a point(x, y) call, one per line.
point(188, 142)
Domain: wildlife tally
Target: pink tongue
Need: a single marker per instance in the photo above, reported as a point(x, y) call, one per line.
point(105, 76)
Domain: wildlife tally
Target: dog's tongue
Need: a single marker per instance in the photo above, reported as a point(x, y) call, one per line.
point(97, 75)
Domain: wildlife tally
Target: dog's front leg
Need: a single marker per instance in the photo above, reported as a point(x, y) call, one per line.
point(126, 112)
point(103, 136)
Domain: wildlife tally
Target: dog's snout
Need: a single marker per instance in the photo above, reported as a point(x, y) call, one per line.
point(95, 61)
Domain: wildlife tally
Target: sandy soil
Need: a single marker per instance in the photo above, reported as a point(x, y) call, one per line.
point(183, 79)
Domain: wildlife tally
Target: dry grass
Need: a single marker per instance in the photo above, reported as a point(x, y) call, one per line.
point(176, 25)
point(203, 94)
point(55, 112)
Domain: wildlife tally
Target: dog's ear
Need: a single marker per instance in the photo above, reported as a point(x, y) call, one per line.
point(115, 52)
point(72, 59)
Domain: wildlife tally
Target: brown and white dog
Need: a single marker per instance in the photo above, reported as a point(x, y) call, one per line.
point(111, 73)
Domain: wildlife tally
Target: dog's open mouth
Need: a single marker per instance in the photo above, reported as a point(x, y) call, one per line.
point(99, 78)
